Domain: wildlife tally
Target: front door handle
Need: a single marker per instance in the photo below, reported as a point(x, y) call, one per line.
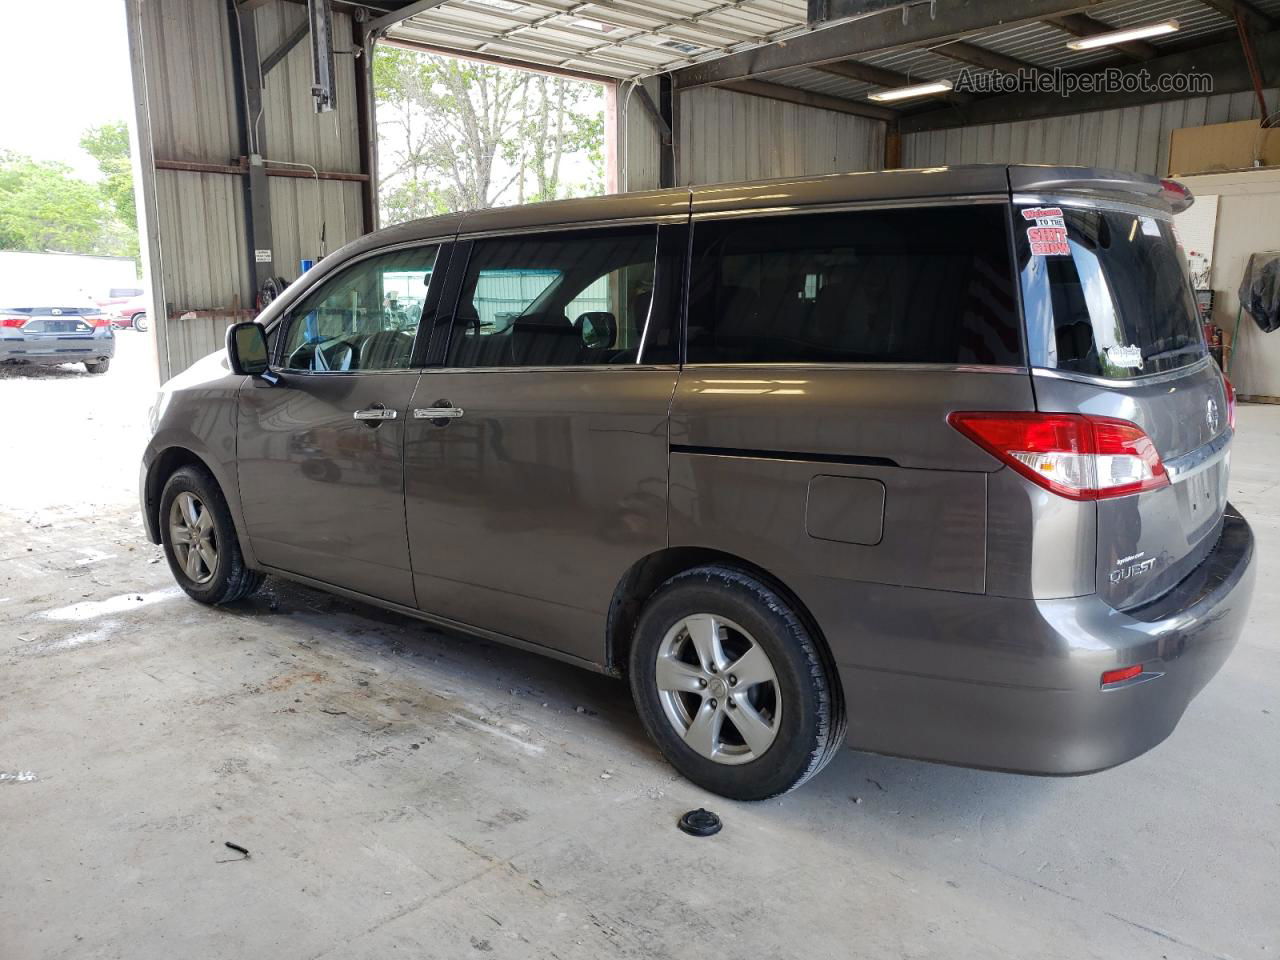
point(375, 413)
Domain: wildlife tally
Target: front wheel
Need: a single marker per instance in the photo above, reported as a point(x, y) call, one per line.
point(140, 322)
point(200, 540)
point(732, 686)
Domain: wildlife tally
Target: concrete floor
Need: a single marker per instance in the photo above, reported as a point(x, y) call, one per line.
point(407, 793)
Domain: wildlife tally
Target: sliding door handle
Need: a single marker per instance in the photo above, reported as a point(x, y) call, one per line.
point(441, 410)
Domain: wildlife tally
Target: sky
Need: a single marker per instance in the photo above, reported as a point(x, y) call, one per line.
point(45, 102)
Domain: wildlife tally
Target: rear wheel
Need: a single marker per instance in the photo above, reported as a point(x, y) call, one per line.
point(99, 366)
point(140, 322)
point(200, 540)
point(732, 686)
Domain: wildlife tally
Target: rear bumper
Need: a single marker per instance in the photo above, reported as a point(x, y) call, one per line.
point(1016, 684)
point(55, 349)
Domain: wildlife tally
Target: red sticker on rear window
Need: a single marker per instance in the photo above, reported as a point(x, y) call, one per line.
point(1048, 232)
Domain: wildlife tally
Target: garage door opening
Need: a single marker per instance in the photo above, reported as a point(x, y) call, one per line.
point(457, 134)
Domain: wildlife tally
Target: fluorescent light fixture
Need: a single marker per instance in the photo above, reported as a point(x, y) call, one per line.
point(1113, 37)
point(914, 90)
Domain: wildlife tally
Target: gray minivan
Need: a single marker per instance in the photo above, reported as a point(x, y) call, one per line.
point(937, 457)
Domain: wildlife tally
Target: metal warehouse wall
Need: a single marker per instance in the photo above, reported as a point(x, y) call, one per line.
point(639, 141)
point(197, 251)
point(1132, 138)
point(723, 135)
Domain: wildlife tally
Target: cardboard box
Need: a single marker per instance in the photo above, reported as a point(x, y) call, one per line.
point(1222, 146)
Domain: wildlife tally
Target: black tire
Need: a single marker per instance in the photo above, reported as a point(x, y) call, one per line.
point(231, 580)
point(812, 724)
point(101, 366)
point(139, 322)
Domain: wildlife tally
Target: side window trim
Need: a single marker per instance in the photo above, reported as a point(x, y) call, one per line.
point(281, 326)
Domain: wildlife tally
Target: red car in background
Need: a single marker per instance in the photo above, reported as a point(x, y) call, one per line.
point(128, 311)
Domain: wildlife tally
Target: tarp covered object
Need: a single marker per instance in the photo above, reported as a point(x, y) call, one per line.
point(1260, 290)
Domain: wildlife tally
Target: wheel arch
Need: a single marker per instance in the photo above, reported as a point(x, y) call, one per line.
point(650, 572)
point(167, 462)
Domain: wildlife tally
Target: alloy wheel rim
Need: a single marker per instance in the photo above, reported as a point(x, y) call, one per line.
point(194, 538)
point(718, 689)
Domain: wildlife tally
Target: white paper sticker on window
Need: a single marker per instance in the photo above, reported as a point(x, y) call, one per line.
point(1129, 357)
point(262, 256)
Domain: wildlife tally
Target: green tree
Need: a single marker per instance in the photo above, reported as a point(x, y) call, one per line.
point(460, 135)
point(109, 146)
point(44, 207)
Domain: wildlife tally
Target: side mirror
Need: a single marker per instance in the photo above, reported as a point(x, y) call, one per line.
point(598, 329)
point(247, 350)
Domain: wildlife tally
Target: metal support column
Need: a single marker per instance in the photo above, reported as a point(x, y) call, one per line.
point(248, 72)
point(363, 42)
point(667, 109)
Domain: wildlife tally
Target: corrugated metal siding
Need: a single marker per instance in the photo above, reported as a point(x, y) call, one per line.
point(1131, 138)
point(732, 136)
point(200, 217)
point(190, 84)
point(639, 141)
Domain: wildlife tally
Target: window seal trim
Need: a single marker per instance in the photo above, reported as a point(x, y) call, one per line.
point(1146, 380)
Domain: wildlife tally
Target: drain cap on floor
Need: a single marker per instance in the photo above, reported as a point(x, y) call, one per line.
point(700, 823)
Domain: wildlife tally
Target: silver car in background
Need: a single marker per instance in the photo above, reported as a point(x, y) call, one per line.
point(41, 327)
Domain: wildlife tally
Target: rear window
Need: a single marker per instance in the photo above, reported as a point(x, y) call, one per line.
point(917, 285)
point(1113, 300)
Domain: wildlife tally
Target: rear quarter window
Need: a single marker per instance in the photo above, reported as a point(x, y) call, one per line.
point(915, 285)
point(1116, 302)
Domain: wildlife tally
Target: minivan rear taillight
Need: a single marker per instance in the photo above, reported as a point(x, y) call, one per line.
point(1231, 401)
point(13, 321)
point(1076, 456)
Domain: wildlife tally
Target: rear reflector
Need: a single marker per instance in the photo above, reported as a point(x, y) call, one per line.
point(1124, 673)
point(1075, 456)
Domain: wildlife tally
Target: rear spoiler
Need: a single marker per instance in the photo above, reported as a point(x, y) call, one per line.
point(1089, 180)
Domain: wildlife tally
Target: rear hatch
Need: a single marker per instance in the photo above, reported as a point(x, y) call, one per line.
point(1113, 332)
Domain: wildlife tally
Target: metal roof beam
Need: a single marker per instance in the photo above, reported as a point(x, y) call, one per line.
point(865, 73)
point(389, 20)
point(840, 41)
point(807, 98)
point(1222, 60)
point(977, 56)
point(1254, 17)
point(820, 11)
point(1083, 25)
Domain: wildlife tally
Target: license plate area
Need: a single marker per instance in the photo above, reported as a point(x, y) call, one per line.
point(55, 326)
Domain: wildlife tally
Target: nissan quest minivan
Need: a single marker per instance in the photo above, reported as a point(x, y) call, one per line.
point(934, 459)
